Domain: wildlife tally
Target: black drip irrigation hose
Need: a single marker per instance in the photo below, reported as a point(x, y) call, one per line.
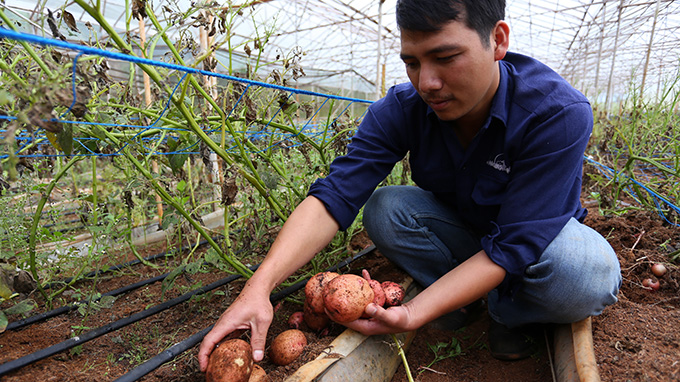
point(67, 211)
point(50, 225)
point(67, 308)
point(180, 347)
point(92, 334)
point(14, 325)
point(127, 264)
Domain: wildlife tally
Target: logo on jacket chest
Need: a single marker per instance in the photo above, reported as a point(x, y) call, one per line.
point(498, 163)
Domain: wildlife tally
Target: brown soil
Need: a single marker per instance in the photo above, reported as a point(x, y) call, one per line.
point(637, 339)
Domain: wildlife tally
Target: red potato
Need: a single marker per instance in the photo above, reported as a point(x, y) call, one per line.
point(295, 320)
point(378, 292)
point(231, 361)
point(659, 270)
point(651, 284)
point(287, 347)
point(394, 293)
point(314, 290)
point(315, 321)
point(258, 374)
point(346, 296)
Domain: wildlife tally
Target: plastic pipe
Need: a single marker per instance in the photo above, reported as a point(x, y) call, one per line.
point(129, 263)
point(67, 308)
point(92, 334)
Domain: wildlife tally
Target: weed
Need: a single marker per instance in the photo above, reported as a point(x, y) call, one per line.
point(442, 351)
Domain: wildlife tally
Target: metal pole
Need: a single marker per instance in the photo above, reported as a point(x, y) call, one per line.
point(599, 52)
point(611, 71)
point(649, 50)
point(378, 70)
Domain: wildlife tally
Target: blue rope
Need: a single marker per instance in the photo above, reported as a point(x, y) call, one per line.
point(73, 80)
point(655, 196)
point(94, 51)
point(12, 35)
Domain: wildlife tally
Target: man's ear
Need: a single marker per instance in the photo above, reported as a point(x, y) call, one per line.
point(500, 39)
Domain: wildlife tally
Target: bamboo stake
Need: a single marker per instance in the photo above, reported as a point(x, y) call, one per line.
point(215, 175)
point(147, 100)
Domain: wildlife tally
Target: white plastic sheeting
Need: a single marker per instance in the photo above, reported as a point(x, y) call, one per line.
point(604, 47)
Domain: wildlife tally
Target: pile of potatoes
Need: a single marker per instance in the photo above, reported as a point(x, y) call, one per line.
point(343, 298)
point(328, 296)
point(232, 360)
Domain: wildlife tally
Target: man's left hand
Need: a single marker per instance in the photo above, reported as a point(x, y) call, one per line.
point(395, 319)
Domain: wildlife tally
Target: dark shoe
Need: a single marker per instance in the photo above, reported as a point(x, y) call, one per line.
point(459, 318)
point(512, 344)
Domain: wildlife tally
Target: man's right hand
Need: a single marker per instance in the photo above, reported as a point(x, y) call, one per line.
point(307, 231)
point(252, 311)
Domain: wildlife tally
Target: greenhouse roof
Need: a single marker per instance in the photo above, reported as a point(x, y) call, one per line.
point(597, 45)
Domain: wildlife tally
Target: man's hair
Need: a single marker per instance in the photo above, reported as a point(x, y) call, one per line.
point(431, 15)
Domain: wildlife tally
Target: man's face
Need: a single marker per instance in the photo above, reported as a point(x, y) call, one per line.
point(454, 73)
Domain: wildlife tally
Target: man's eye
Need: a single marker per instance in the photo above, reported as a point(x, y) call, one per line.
point(446, 58)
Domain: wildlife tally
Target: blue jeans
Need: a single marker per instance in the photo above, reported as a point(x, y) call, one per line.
point(577, 275)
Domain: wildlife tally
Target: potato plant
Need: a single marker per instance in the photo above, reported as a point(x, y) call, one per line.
point(271, 143)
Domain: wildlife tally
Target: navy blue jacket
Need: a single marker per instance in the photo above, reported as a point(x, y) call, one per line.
point(517, 183)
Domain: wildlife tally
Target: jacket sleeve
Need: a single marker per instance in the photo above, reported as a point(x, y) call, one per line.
point(373, 152)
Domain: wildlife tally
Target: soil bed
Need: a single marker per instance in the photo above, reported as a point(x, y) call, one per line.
point(637, 339)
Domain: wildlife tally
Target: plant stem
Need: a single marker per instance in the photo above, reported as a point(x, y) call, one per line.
point(186, 113)
point(36, 221)
point(238, 266)
point(27, 47)
point(403, 358)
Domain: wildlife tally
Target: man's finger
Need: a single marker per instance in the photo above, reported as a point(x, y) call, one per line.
point(207, 346)
point(213, 338)
point(257, 341)
point(371, 309)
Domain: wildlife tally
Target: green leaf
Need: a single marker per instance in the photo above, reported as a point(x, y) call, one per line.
point(5, 290)
point(169, 219)
point(22, 307)
point(194, 267)
point(214, 259)
point(176, 161)
point(170, 279)
point(181, 186)
point(87, 146)
point(65, 139)
point(107, 302)
point(3, 321)
point(99, 132)
point(5, 98)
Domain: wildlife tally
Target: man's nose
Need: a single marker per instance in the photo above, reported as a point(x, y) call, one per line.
point(429, 79)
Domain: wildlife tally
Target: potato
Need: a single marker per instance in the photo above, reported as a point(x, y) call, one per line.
point(378, 292)
point(258, 374)
point(232, 360)
point(313, 320)
point(314, 290)
point(394, 293)
point(295, 320)
point(287, 347)
point(346, 296)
